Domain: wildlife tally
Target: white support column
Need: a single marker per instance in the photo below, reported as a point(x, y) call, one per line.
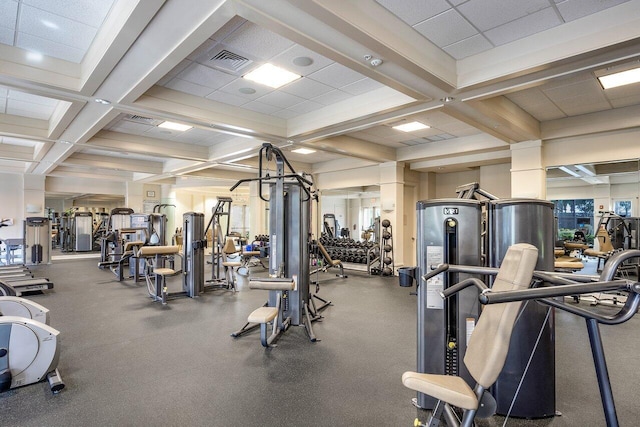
point(34, 195)
point(134, 196)
point(528, 175)
point(257, 206)
point(392, 205)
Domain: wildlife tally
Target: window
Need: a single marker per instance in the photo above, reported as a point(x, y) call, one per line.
point(574, 215)
point(622, 207)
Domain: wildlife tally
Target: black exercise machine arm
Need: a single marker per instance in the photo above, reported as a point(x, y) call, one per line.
point(471, 281)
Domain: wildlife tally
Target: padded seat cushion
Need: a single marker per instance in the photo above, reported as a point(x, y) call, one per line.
point(231, 263)
point(130, 245)
point(263, 315)
point(568, 259)
point(593, 252)
point(250, 253)
point(558, 252)
point(149, 251)
point(272, 285)
point(569, 265)
point(451, 389)
point(574, 245)
point(163, 271)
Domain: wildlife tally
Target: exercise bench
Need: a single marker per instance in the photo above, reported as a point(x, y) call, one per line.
point(154, 257)
point(266, 315)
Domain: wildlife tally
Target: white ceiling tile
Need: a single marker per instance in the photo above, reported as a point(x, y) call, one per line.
point(336, 75)
point(574, 9)
point(257, 41)
point(261, 107)
point(457, 2)
point(626, 101)
point(6, 36)
point(126, 126)
point(468, 47)
point(3, 108)
point(583, 104)
point(544, 114)
point(188, 87)
point(227, 98)
point(414, 11)
point(67, 32)
point(90, 12)
point(332, 97)
point(8, 14)
point(162, 133)
point(622, 91)
point(523, 27)
point(205, 76)
point(306, 107)
point(27, 109)
point(581, 88)
point(306, 88)
point(447, 28)
point(361, 86)
point(35, 99)
point(486, 14)
point(49, 48)
point(280, 99)
point(286, 114)
point(174, 72)
point(286, 58)
point(234, 87)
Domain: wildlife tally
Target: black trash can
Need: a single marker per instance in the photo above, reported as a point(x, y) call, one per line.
point(406, 276)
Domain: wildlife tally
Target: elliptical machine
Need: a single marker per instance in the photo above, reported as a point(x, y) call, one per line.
point(29, 348)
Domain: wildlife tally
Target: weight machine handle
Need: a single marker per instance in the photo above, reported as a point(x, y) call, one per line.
point(472, 281)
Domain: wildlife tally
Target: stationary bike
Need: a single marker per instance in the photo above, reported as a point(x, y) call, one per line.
point(29, 348)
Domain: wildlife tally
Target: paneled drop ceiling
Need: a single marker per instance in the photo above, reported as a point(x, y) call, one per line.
point(482, 74)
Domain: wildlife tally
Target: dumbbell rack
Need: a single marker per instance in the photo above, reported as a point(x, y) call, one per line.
point(352, 253)
point(381, 256)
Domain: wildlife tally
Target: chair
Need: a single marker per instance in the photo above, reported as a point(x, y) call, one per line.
point(606, 248)
point(228, 249)
point(488, 346)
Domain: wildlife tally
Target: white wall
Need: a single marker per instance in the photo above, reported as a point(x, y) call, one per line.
point(496, 179)
point(446, 183)
point(12, 204)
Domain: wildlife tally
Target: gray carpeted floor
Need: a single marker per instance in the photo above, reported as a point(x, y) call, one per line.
point(129, 361)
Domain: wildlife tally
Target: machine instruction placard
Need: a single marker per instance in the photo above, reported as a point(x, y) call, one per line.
point(435, 285)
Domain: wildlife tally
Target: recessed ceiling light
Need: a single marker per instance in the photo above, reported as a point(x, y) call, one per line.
point(447, 99)
point(34, 56)
point(622, 78)
point(50, 24)
point(174, 126)
point(411, 126)
point(302, 61)
point(247, 90)
point(272, 76)
point(102, 101)
point(303, 150)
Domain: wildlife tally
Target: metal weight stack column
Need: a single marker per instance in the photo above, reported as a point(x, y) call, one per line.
point(531, 221)
point(449, 231)
point(194, 244)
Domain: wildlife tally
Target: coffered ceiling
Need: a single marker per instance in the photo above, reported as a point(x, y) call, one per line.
point(483, 74)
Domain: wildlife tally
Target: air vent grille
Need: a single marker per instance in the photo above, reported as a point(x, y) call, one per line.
point(229, 61)
point(140, 119)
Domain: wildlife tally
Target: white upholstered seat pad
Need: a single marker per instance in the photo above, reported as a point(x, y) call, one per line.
point(451, 389)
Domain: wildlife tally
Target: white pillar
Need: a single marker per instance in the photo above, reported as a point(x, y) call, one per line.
point(392, 205)
point(133, 197)
point(257, 211)
point(528, 175)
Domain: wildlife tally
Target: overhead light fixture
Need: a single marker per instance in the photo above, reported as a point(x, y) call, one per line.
point(411, 126)
point(585, 170)
point(102, 101)
point(34, 56)
point(272, 76)
point(174, 126)
point(570, 172)
point(303, 150)
point(621, 78)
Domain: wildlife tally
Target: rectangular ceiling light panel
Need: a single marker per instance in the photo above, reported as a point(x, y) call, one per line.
point(620, 79)
point(174, 126)
point(411, 127)
point(272, 76)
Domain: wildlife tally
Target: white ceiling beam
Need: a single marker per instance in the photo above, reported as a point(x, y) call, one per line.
point(463, 161)
point(586, 124)
point(117, 163)
point(79, 172)
point(19, 126)
point(464, 145)
point(511, 119)
point(349, 146)
point(16, 152)
point(124, 142)
point(608, 27)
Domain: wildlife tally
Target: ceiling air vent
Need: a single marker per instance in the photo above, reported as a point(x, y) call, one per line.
point(140, 119)
point(228, 61)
